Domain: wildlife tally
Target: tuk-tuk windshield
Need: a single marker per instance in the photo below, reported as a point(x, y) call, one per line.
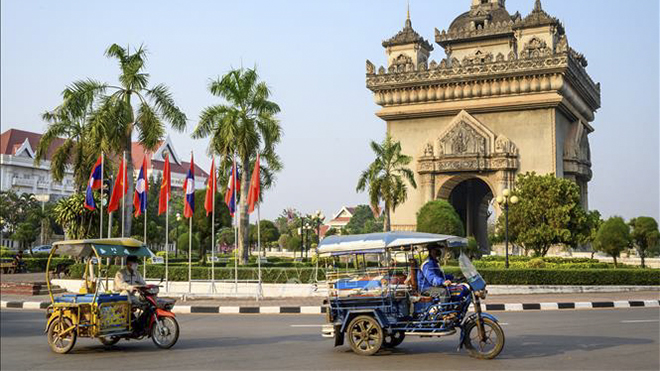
point(470, 272)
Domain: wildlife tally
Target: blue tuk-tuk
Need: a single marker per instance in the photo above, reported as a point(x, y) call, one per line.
point(376, 304)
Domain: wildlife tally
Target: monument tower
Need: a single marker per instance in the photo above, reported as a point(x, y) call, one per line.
point(509, 96)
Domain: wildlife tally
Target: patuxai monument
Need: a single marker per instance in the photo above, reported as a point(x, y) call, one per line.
point(506, 94)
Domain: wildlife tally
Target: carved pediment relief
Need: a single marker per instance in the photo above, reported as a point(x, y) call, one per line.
point(467, 145)
point(464, 136)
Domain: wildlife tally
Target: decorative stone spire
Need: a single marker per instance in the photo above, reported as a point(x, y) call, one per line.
point(537, 6)
point(538, 17)
point(407, 36)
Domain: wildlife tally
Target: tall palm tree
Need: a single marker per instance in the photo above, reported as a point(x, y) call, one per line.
point(117, 111)
point(244, 126)
point(384, 178)
point(72, 125)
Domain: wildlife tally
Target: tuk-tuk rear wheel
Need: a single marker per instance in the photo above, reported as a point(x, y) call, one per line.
point(65, 343)
point(365, 335)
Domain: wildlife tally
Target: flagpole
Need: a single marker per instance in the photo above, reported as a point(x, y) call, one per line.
point(123, 198)
point(167, 235)
point(110, 215)
point(144, 268)
point(259, 289)
point(233, 178)
point(213, 183)
point(101, 201)
point(190, 234)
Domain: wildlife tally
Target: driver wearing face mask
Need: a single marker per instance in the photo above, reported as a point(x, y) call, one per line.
point(127, 278)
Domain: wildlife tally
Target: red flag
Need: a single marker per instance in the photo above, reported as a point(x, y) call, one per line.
point(120, 188)
point(165, 188)
point(189, 191)
point(211, 187)
point(255, 187)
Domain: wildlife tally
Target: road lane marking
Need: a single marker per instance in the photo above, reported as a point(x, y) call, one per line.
point(306, 325)
point(639, 320)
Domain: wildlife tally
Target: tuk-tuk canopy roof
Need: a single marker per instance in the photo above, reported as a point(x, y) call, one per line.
point(379, 242)
point(105, 247)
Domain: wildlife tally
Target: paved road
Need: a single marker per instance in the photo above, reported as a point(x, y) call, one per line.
point(591, 339)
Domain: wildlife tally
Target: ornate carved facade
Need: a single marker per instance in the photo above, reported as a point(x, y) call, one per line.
point(509, 95)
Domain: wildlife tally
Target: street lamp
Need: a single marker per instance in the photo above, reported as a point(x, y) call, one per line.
point(176, 245)
point(505, 201)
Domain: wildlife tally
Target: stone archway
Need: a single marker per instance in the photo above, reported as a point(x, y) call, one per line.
point(470, 195)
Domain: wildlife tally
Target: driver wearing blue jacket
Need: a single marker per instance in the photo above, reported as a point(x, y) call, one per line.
point(432, 280)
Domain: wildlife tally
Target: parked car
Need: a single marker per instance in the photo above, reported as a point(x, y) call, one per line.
point(41, 249)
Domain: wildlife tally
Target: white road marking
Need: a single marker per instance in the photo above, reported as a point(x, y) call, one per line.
point(639, 320)
point(306, 325)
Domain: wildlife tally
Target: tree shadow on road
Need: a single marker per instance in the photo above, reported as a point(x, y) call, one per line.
point(533, 346)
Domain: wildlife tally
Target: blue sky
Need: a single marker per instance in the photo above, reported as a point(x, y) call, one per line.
point(312, 54)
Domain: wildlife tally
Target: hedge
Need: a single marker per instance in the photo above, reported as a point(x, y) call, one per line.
point(512, 276)
point(587, 277)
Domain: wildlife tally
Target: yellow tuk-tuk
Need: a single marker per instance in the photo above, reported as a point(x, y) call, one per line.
point(95, 311)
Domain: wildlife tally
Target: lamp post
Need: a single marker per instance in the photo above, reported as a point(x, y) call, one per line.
point(176, 245)
point(505, 200)
point(308, 227)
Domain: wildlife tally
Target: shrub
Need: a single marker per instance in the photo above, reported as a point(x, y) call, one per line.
point(613, 237)
point(536, 263)
point(439, 217)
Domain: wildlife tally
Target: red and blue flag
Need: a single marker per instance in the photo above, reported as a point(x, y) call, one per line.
point(94, 183)
point(141, 188)
point(232, 189)
point(189, 188)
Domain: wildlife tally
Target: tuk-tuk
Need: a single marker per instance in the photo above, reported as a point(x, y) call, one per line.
point(374, 301)
point(95, 311)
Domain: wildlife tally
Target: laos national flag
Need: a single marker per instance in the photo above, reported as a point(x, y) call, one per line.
point(189, 188)
point(233, 187)
point(94, 183)
point(141, 188)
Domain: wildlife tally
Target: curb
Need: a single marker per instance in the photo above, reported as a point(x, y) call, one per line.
point(508, 307)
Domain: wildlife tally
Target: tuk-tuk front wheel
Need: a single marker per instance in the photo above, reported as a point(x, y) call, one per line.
point(165, 332)
point(365, 335)
point(490, 346)
point(61, 343)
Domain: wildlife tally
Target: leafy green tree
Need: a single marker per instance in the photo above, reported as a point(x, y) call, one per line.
point(331, 232)
point(549, 213)
point(243, 126)
point(269, 233)
point(183, 244)
point(226, 237)
point(645, 235)
point(293, 243)
point(439, 216)
point(363, 221)
point(385, 178)
point(116, 112)
point(613, 237)
point(283, 241)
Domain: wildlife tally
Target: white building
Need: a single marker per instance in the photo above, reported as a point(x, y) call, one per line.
point(19, 173)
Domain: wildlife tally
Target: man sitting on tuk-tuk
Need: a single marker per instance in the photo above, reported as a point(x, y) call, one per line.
point(127, 278)
point(432, 280)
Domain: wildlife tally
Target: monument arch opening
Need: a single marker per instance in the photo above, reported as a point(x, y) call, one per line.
point(471, 196)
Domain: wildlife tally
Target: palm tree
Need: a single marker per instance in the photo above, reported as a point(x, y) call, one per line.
point(384, 178)
point(243, 126)
point(70, 124)
point(115, 112)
